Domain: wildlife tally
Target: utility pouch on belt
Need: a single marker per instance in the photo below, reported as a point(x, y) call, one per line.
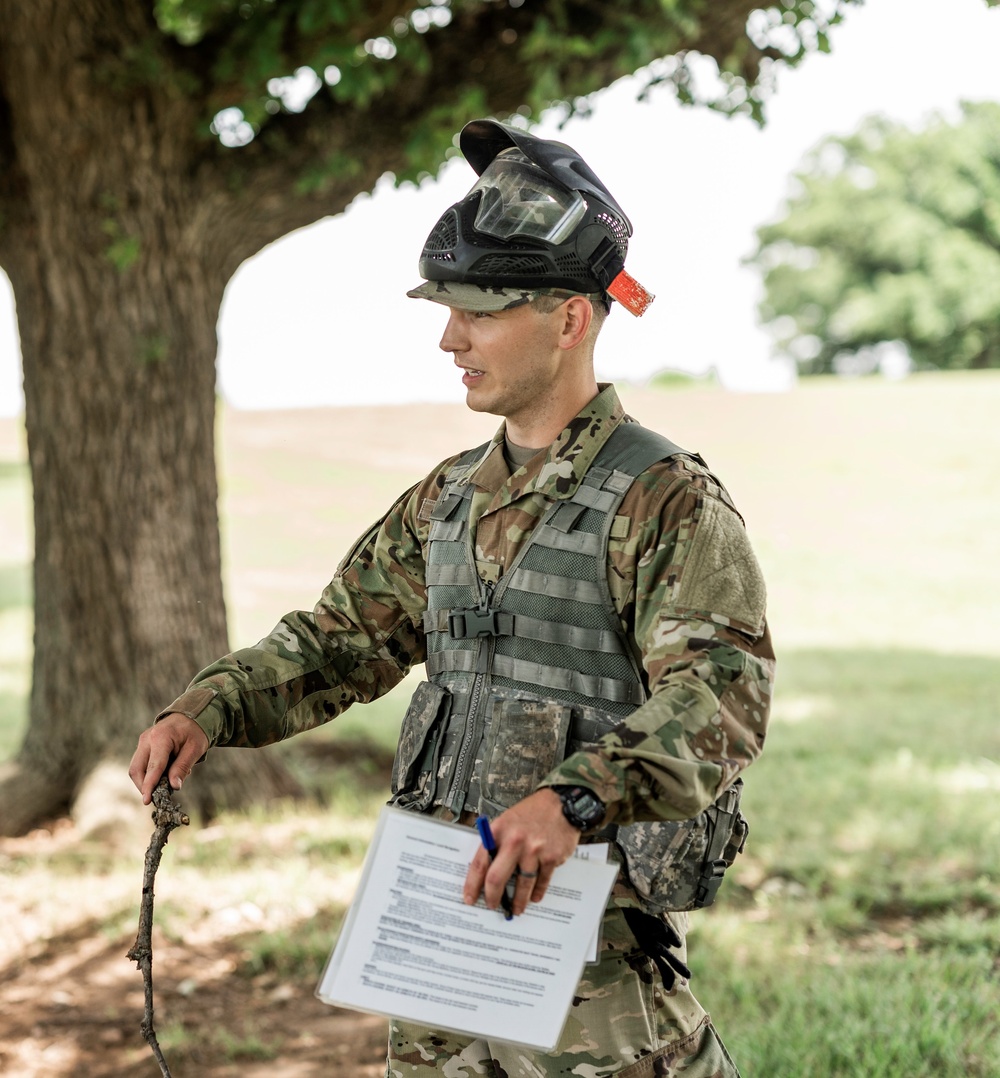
point(679, 864)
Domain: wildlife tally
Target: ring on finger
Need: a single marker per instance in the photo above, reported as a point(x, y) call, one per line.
point(527, 875)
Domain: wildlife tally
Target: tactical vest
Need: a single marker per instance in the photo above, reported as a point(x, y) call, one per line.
point(529, 670)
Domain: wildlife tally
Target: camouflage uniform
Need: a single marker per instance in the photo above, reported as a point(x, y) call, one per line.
point(685, 584)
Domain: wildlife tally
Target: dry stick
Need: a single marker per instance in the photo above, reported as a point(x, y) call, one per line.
point(166, 816)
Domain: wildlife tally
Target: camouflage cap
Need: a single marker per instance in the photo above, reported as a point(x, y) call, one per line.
point(476, 297)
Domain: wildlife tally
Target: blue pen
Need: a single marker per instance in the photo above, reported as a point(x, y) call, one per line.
point(490, 845)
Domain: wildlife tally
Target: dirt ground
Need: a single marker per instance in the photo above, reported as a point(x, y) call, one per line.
point(71, 1003)
point(75, 1009)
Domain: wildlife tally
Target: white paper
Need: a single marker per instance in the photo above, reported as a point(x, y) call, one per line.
point(411, 949)
point(593, 851)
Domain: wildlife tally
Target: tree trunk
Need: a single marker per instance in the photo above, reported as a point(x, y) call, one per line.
point(117, 297)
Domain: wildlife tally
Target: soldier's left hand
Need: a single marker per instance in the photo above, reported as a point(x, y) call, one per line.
point(533, 838)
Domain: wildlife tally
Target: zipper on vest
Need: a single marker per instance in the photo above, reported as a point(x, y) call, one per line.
point(472, 734)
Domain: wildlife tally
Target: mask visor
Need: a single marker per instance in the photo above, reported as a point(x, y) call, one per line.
point(519, 201)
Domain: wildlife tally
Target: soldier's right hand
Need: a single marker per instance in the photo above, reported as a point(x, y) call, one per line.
point(176, 741)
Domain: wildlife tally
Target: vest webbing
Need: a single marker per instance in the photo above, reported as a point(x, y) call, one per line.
point(548, 627)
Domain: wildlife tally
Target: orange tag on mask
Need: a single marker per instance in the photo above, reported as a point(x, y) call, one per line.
point(630, 294)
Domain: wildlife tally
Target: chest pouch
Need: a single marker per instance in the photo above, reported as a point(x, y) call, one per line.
point(525, 740)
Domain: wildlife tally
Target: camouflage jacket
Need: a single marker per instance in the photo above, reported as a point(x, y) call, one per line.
point(683, 579)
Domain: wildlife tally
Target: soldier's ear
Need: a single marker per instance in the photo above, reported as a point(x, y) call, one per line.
point(576, 314)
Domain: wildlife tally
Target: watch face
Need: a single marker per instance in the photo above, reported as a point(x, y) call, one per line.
point(581, 807)
point(588, 807)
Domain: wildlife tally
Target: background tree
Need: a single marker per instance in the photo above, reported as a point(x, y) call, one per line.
point(892, 234)
point(146, 150)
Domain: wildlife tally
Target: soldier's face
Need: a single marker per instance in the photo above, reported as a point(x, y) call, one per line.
point(510, 360)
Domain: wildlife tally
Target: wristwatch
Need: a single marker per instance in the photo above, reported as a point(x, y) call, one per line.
point(581, 807)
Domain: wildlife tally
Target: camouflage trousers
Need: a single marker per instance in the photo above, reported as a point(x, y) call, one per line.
point(623, 1022)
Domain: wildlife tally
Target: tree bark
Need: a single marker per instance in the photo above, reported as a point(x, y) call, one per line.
point(117, 297)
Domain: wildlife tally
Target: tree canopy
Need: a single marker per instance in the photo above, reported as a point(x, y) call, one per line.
point(891, 235)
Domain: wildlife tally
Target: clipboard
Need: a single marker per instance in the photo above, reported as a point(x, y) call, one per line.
point(411, 949)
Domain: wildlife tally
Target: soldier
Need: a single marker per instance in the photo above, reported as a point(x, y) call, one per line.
point(589, 610)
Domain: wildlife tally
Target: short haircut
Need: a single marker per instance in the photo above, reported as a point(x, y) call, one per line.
point(548, 304)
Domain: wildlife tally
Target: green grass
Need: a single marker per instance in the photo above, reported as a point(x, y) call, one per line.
point(847, 1015)
point(672, 380)
point(859, 934)
point(180, 1044)
point(877, 774)
point(296, 953)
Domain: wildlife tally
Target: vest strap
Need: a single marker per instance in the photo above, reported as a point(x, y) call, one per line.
point(451, 498)
point(451, 574)
point(560, 587)
point(447, 530)
point(576, 542)
point(552, 677)
point(550, 632)
point(451, 662)
point(435, 621)
point(632, 448)
point(619, 482)
point(594, 498)
point(566, 515)
point(575, 636)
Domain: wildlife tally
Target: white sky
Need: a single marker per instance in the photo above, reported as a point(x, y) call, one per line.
point(321, 317)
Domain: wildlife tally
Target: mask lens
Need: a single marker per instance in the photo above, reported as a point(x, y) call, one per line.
point(519, 200)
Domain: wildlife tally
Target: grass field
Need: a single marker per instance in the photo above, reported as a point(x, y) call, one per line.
point(860, 934)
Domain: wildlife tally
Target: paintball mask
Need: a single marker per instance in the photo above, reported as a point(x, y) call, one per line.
point(537, 221)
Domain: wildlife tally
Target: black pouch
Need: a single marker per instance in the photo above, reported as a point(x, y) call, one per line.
point(525, 739)
point(418, 754)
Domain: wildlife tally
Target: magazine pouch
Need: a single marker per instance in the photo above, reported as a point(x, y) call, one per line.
point(418, 754)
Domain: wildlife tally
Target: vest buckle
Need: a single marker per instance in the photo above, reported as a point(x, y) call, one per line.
point(465, 623)
point(710, 882)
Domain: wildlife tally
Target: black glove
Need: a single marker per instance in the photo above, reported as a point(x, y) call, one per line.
point(655, 938)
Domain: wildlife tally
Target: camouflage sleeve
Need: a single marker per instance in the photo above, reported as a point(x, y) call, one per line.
point(699, 623)
point(359, 641)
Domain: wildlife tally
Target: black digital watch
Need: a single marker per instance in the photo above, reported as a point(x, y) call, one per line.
point(581, 807)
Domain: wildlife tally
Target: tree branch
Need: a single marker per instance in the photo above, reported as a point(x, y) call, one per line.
point(399, 113)
point(166, 816)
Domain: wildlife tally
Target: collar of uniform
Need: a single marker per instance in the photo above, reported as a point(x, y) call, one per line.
point(561, 470)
